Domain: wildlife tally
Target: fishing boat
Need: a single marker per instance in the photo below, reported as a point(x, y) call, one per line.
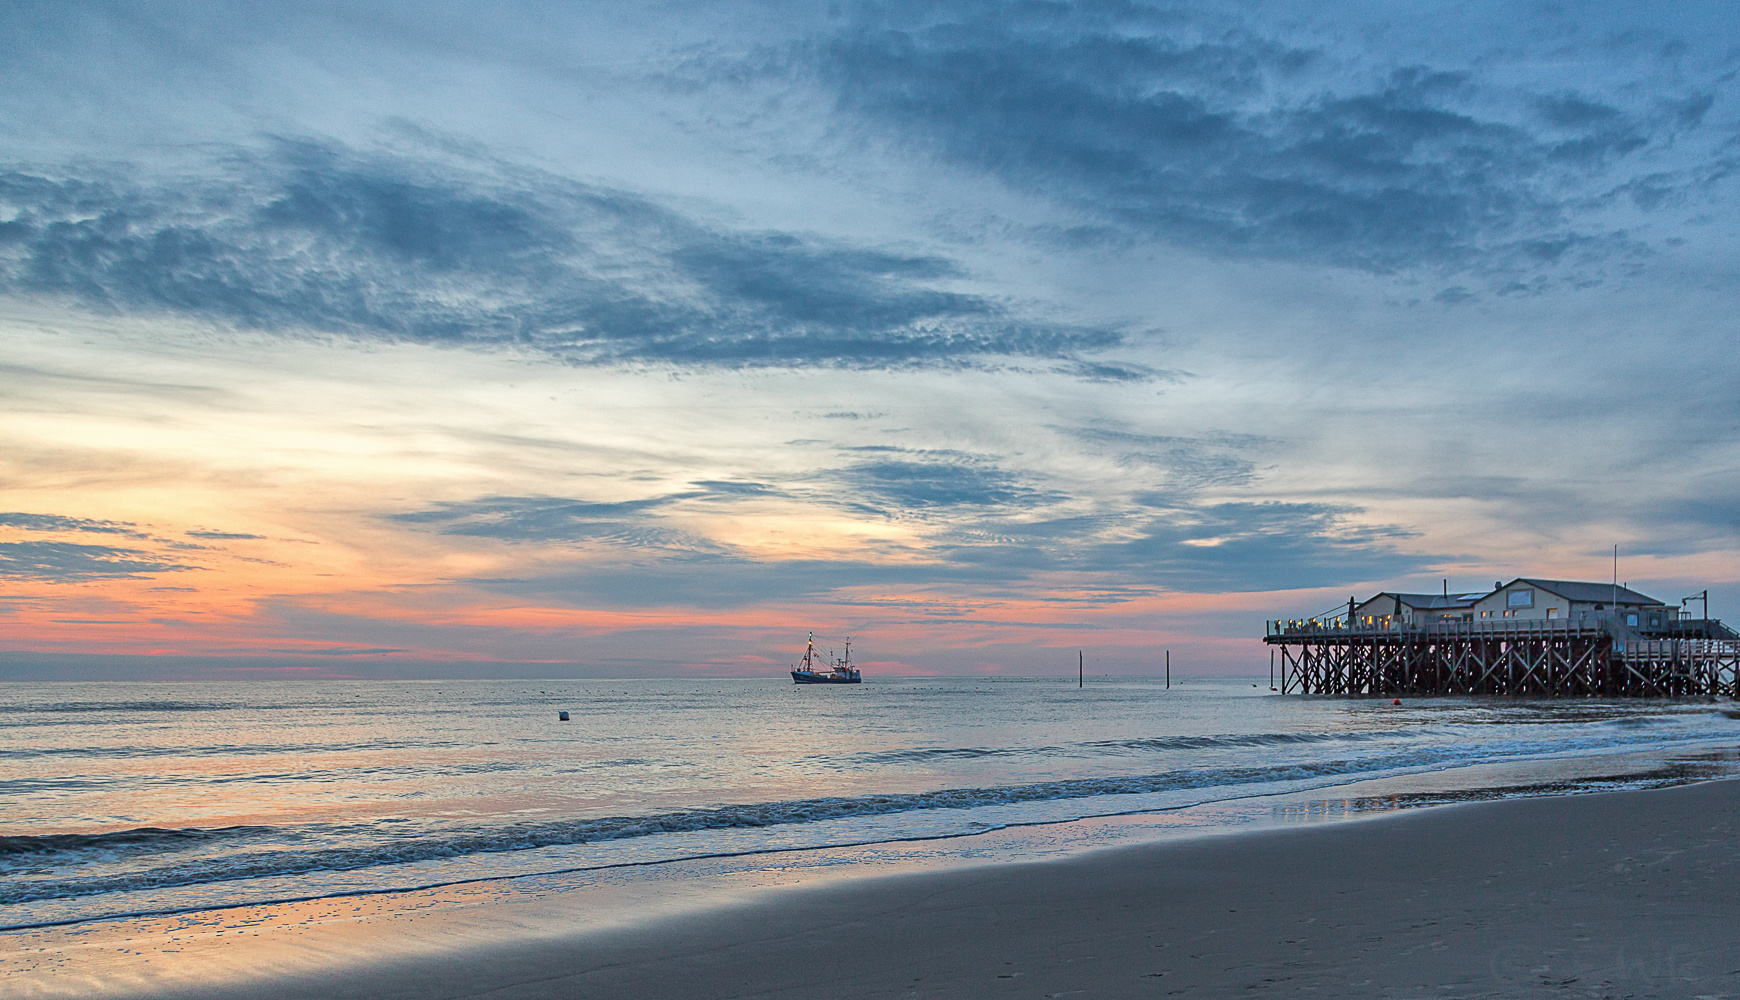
point(811, 671)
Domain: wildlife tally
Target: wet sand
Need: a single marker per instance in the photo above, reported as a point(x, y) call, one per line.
point(1614, 894)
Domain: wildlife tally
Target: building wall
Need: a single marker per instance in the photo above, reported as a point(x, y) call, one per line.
point(1520, 600)
point(1379, 612)
point(1531, 603)
point(1380, 607)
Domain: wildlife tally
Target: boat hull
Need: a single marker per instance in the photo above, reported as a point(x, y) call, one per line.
point(806, 677)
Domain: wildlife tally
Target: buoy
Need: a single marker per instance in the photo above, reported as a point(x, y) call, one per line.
point(1393, 701)
point(564, 715)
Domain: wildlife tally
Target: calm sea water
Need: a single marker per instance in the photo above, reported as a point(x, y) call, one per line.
point(145, 798)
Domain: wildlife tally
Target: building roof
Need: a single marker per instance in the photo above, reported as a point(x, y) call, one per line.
point(1570, 590)
point(1602, 593)
point(1429, 602)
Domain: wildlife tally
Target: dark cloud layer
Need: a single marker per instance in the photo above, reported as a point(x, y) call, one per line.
point(900, 480)
point(985, 532)
point(71, 562)
point(57, 522)
point(1186, 463)
point(1200, 130)
point(1261, 545)
point(301, 236)
point(52, 560)
point(631, 524)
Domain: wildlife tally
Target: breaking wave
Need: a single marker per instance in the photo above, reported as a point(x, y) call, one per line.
point(274, 859)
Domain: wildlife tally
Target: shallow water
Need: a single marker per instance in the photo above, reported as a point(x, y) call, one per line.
point(142, 798)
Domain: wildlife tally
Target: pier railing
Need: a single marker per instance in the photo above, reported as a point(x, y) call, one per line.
point(1304, 627)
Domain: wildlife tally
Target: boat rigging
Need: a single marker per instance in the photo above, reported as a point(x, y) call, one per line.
point(813, 671)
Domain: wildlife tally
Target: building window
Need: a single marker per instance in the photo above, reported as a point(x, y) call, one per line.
point(1552, 612)
point(1631, 620)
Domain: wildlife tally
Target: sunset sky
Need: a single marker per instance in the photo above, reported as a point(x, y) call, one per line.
point(614, 339)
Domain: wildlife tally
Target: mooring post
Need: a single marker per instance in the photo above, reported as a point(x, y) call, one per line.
point(1271, 668)
point(1080, 670)
point(1169, 670)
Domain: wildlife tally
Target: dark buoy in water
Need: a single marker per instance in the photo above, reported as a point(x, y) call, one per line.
point(563, 716)
point(1393, 701)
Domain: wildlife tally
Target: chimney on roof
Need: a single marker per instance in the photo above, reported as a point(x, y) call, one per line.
point(1446, 588)
point(1498, 585)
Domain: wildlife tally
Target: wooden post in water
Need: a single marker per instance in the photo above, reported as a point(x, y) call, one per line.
point(1271, 668)
point(1080, 671)
point(1169, 670)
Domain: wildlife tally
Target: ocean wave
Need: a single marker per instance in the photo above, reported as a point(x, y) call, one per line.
point(272, 860)
point(300, 776)
point(1246, 740)
point(132, 752)
point(85, 707)
point(1155, 743)
point(146, 839)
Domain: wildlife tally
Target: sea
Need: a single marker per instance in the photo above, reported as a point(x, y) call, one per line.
point(136, 799)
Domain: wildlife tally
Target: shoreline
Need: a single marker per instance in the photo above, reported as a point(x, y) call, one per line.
point(1359, 797)
point(1564, 896)
point(1132, 820)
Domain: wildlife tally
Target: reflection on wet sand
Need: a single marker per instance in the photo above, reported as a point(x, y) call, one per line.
point(1707, 767)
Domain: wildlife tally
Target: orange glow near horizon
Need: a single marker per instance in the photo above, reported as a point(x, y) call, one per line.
point(313, 508)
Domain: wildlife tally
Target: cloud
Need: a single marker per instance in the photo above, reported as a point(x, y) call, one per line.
point(221, 535)
point(983, 534)
point(304, 236)
point(1453, 295)
point(555, 519)
point(1190, 464)
point(69, 562)
point(1218, 549)
point(1118, 371)
point(723, 581)
point(906, 481)
point(1200, 130)
point(330, 651)
point(1262, 545)
point(1214, 547)
point(57, 522)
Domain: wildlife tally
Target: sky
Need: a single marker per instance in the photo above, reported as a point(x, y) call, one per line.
point(622, 339)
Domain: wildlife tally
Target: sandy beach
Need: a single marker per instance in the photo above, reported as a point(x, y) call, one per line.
point(1603, 895)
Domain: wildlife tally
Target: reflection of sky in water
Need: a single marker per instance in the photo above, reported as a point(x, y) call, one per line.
point(292, 790)
point(1703, 767)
